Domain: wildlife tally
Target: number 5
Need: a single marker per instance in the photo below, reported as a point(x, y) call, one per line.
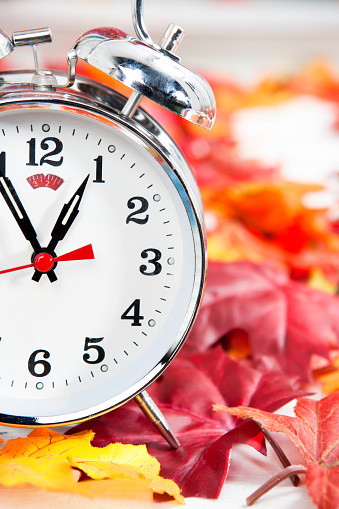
point(90, 346)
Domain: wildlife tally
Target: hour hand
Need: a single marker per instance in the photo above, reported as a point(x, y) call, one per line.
point(18, 211)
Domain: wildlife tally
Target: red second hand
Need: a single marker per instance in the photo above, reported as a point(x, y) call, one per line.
point(83, 253)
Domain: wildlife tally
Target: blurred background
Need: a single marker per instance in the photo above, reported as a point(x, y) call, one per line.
point(243, 38)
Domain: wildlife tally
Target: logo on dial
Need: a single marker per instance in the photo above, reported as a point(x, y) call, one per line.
point(41, 180)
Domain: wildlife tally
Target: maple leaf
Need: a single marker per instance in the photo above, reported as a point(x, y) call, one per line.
point(51, 460)
point(267, 388)
point(276, 223)
point(285, 320)
point(314, 431)
point(185, 393)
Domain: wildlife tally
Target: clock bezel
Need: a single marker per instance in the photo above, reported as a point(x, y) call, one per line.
point(101, 102)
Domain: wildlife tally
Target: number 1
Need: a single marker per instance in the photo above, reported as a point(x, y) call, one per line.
point(3, 164)
point(98, 171)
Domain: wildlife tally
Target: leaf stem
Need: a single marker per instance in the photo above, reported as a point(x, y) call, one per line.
point(274, 481)
point(281, 455)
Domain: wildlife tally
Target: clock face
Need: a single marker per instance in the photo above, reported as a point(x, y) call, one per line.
point(114, 272)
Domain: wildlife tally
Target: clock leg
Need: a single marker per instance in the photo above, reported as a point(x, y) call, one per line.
point(152, 412)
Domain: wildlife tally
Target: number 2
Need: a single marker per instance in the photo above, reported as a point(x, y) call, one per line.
point(131, 204)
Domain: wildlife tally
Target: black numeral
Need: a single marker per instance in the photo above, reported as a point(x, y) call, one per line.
point(91, 344)
point(3, 163)
point(133, 313)
point(43, 366)
point(46, 144)
point(31, 153)
point(153, 261)
point(98, 170)
point(131, 204)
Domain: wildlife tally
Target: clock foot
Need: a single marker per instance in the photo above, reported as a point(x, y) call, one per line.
point(152, 412)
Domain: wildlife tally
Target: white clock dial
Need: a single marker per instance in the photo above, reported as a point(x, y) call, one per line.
point(92, 332)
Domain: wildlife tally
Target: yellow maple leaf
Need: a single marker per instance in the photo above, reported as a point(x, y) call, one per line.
point(50, 460)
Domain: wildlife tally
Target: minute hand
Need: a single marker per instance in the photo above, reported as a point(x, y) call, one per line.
point(14, 204)
point(19, 213)
point(66, 217)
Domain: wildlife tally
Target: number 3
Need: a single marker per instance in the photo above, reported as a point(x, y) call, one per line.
point(154, 261)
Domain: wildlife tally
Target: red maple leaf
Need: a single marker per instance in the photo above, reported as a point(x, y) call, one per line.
point(284, 319)
point(241, 384)
point(185, 394)
point(315, 432)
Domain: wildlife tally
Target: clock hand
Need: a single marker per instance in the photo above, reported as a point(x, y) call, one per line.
point(44, 261)
point(19, 213)
point(66, 217)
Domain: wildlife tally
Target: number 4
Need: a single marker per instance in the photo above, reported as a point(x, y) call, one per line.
point(134, 315)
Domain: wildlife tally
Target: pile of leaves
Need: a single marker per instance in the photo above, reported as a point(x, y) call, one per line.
point(263, 332)
point(269, 320)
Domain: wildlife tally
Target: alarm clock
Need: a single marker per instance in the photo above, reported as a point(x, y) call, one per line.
point(102, 251)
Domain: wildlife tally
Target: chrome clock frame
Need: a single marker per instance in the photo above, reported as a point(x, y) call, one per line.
point(87, 98)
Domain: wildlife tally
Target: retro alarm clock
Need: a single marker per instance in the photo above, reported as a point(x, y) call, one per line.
point(102, 246)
